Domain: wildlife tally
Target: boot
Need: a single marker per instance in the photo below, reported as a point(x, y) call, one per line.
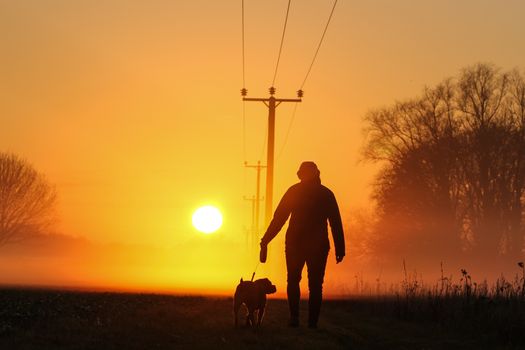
point(294, 295)
point(314, 309)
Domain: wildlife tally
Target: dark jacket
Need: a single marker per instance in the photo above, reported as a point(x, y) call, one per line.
point(310, 205)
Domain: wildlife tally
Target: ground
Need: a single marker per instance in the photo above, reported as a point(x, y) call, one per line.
point(51, 319)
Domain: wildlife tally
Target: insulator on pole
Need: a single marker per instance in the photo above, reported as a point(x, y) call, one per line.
point(300, 93)
point(244, 92)
point(272, 90)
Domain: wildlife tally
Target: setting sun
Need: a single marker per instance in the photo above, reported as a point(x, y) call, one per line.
point(207, 219)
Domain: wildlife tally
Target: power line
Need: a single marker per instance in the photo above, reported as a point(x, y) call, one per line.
point(300, 92)
point(282, 42)
point(243, 58)
point(243, 91)
point(290, 124)
point(319, 46)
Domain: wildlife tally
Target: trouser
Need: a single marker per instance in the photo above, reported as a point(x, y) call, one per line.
point(315, 260)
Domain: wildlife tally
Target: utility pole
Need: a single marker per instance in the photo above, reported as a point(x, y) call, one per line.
point(256, 210)
point(272, 104)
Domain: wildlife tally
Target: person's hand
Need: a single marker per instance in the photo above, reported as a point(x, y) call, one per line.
point(339, 258)
point(263, 253)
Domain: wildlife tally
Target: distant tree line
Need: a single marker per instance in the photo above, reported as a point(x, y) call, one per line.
point(452, 180)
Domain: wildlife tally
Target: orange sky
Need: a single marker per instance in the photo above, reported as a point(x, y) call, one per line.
point(132, 108)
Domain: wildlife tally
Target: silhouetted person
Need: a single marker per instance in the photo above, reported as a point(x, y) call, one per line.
point(310, 206)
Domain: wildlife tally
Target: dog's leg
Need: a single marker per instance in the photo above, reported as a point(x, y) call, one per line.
point(260, 316)
point(236, 307)
point(248, 312)
point(253, 321)
point(250, 318)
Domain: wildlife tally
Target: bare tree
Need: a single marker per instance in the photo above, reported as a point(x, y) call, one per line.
point(453, 176)
point(27, 200)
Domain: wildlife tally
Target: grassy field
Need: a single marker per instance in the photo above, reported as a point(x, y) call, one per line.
point(50, 319)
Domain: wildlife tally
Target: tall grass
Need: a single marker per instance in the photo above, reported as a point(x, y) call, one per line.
point(493, 310)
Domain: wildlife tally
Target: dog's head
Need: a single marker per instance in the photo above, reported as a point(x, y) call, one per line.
point(265, 285)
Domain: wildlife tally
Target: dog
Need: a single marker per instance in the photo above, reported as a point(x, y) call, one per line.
point(253, 296)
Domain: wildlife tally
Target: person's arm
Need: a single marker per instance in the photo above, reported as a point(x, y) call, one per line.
point(336, 225)
point(279, 218)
